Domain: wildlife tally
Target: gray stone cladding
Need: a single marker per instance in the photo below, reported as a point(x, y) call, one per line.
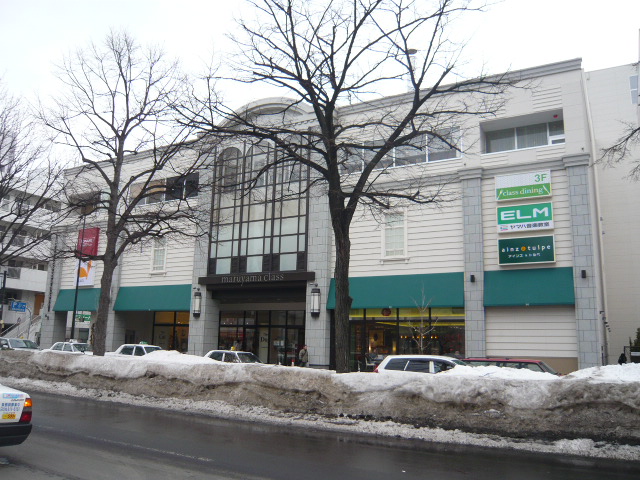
point(471, 182)
point(587, 319)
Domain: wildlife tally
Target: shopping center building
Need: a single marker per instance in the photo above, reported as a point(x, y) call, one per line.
point(529, 257)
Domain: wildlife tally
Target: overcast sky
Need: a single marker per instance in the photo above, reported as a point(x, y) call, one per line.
point(35, 34)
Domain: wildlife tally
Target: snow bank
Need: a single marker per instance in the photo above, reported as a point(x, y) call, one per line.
point(593, 405)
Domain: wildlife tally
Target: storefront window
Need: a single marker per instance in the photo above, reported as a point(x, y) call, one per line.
point(171, 330)
point(275, 336)
point(428, 331)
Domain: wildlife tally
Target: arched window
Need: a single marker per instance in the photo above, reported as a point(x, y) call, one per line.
point(229, 171)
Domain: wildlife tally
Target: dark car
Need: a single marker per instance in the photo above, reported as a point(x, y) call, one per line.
point(528, 364)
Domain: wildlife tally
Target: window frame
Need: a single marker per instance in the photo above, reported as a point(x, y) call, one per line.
point(552, 139)
point(159, 246)
point(387, 230)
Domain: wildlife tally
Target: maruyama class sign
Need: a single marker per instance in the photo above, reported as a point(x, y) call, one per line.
point(523, 185)
point(535, 216)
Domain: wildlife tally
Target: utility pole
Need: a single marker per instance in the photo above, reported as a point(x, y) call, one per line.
point(3, 294)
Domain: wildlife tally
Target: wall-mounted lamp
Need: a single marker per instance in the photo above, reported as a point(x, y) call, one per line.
point(583, 273)
point(315, 302)
point(472, 278)
point(197, 303)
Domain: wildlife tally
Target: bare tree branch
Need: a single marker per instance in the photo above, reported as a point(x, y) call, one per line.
point(333, 60)
point(138, 171)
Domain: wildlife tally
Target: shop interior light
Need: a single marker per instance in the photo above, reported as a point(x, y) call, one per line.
point(197, 303)
point(315, 302)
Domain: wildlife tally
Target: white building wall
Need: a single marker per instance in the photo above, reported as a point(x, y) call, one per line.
point(434, 242)
point(612, 110)
point(525, 332)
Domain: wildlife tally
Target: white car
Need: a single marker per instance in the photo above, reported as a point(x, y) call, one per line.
point(232, 356)
point(417, 363)
point(15, 416)
point(71, 347)
point(135, 349)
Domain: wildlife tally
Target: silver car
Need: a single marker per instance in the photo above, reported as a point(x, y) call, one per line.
point(418, 363)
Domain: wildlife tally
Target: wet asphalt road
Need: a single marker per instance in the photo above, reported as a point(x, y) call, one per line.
point(75, 438)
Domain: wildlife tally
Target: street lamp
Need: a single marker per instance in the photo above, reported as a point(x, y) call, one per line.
point(197, 302)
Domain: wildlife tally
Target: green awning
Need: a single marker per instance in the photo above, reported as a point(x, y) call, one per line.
point(161, 298)
point(87, 300)
point(537, 286)
point(404, 291)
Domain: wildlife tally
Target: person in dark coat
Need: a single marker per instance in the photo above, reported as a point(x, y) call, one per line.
point(622, 359)
point(303, 356)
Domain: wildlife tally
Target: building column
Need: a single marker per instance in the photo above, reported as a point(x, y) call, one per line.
point(589, 332)
point(475, 333)
point(318, 329)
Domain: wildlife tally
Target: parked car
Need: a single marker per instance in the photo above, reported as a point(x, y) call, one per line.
point(417, 363)
point(71, 347)
point(231, 356)
point(135, 349)
point(533, 365)
point(17, 344)
point(15, 416)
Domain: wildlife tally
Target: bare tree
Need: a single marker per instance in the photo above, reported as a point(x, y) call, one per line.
point(29, 187)
point(138, 170)
point(620, 151)
point(423, 328)
point(332, 59)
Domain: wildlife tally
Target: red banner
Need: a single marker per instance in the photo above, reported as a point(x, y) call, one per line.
point(88, 241)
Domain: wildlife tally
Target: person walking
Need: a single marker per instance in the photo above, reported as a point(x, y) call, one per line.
point(303, 356)
point(622, 359)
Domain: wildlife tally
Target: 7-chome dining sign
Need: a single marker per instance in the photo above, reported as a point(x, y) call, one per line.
point(87, 246)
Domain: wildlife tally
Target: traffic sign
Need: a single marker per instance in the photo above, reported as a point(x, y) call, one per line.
point(18, 306)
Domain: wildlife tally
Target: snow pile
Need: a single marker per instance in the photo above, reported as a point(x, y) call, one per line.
point(589, 412)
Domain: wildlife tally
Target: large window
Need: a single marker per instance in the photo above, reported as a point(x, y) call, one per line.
point(260, 220)
point(443, 145)
point(376, 333)
point(166, 189)
point(527, 136)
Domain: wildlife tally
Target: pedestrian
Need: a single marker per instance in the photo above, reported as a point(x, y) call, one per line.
point(303, 356)
point(622, 359)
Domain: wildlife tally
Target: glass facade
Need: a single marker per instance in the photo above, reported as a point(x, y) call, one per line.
point(260, 220)
point(171, 331)
point(275, 336)
point(398, 331)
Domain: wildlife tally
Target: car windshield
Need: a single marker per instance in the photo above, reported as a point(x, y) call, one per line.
point(248, 357)
point(151, 349)
point(19, 343)
point(82, 347)
point(457, 361)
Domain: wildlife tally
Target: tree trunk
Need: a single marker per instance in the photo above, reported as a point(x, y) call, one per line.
point(100, 324)
point(343, 299)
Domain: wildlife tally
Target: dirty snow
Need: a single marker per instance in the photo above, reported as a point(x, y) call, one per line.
point(594, 412)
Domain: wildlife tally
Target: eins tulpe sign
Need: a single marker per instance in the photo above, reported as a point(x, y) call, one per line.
point(527, 250)
point(523, 185)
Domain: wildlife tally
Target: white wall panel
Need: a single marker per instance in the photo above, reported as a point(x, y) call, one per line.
point(547, 331)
